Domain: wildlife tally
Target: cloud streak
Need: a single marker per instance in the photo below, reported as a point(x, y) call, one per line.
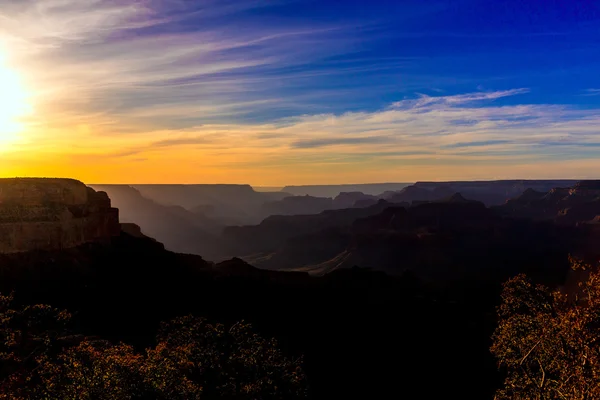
point(415, 134)
point(130, 59)
point(458, 99)
point(323, 142)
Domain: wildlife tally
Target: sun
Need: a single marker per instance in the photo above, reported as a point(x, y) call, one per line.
point(14, 103)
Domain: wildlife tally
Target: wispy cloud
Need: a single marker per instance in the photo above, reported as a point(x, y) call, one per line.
point(458, 99)
point(478, 144)
point(417, 133)
point(160, 64)
point(322, 142)
point(591, 92)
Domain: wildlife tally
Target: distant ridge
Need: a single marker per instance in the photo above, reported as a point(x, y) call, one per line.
point(484, 181)
point(334, 190)
point(267, 188)
point(457, 198)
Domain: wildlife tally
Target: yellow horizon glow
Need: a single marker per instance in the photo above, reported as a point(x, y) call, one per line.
point(14, 103)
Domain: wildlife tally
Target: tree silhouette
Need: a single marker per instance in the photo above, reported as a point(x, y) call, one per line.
point(547, 341)
point(221, 362)
point(192, 359)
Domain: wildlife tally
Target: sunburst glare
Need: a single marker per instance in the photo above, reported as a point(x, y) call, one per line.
point(14, 103)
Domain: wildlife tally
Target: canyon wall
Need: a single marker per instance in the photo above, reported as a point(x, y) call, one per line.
point(52, 214)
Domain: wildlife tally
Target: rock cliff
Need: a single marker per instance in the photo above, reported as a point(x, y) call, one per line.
point(180, 230)
point(52, 214)
point(572, 205)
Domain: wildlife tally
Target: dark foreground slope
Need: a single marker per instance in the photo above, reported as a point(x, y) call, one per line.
point(363, 333)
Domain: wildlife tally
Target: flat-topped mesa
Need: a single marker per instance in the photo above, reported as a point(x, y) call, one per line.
point(53, 214)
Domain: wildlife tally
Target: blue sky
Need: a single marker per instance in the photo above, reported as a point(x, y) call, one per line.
point(361, 55)
point(306, 91)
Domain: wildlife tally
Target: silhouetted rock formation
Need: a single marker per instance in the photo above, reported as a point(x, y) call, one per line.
point(589, 185)
point(275, 230)
point(350, 199)
point(440, 242)
point(50, 214)
point(297, 205)
point(457, 198)
point(580, 213)
point(366, 203)
point(487, 192)
point(334, 190)
point(568, 206)
point(227, 204)
point(410, 194)
point(189, 196)
point(443, 191)
point(179, 229)
point(528, 196)
point(306, 205)
point(134, 231)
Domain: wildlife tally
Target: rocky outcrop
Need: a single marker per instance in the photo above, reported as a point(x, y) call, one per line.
point(528, 196)
point(456, 198)
point(297, 205)
point(439, 242)
point(276, 230)
point(410, 194)
point(227, 204)
point(579, 203)
point(334, 190)
point(456, 213)
point(53, 214)
point(350, 199)
point(490, 193)
point(588, 185)
point(180, 230)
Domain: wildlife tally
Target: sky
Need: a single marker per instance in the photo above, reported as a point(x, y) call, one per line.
point(299, 91)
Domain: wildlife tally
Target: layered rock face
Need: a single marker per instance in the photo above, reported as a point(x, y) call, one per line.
point(573, 205)
point(52, 214)
point(490, 193)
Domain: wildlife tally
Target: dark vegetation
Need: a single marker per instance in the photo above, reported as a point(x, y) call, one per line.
point(192, 359)
point(547, 340)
